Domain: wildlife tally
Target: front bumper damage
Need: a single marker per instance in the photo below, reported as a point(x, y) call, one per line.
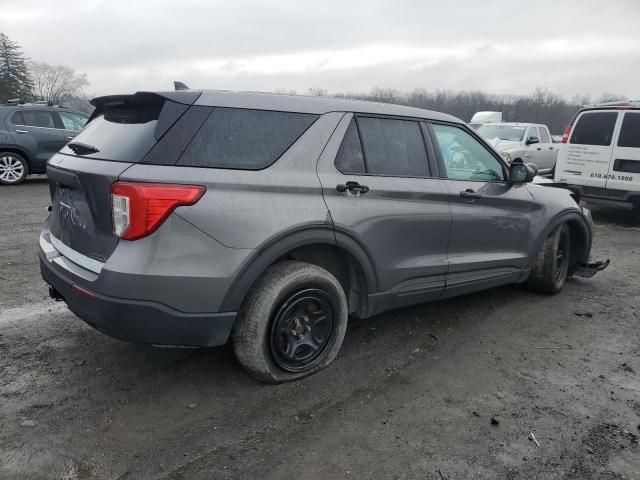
point(591, 268)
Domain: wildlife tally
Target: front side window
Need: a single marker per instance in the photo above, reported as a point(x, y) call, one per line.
point(630, 131)
point(33, 118)
point(533, 133)
point(72, 121)
point(465, 158)
point(594, 128)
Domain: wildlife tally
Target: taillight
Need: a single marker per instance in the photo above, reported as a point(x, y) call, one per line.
point(138, 209)
point(565, 135)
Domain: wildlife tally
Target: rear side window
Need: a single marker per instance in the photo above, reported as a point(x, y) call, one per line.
point(544, 136)
point(630, 131)
point(393, 147)
point(34, 118)
point(594, 128)
point(350, 158)
point(244, 139)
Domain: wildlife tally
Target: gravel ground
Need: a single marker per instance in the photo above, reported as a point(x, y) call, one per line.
point(412, 395)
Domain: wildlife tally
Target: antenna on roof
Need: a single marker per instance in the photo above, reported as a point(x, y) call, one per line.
point(180, 86)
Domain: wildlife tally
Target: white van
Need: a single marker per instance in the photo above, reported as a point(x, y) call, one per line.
point(600, 153)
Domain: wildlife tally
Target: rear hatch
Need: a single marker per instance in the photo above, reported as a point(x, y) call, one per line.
point(122, 131)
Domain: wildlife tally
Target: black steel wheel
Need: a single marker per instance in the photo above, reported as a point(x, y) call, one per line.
point(551, 267)
point(292, 322)
point(301, 330)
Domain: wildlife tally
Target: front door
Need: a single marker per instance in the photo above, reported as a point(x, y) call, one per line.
point(490, 226)
point(380, 190)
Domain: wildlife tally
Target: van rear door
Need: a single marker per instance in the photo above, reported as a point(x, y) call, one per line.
point(624, 168)
point(585, 158)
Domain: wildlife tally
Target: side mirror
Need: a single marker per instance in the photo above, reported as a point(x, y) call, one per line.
point(532, 140)
point(522, 172)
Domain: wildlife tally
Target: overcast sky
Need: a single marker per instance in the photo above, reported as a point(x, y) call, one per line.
point(572, 47)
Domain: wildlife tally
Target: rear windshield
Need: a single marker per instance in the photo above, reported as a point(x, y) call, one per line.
point(630, 131)
point(123, 132)
point(594, 128)
point(503, 132)
point(244, 139)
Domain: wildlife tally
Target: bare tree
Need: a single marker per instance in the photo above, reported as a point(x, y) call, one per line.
point(56, 83)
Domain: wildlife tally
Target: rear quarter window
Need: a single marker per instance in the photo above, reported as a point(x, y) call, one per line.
point(594, 128)
point(244, 139)
point(630, 131)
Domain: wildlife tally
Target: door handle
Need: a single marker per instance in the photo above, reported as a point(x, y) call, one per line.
point(21, 131)
point(539, 148)
point(550, 148)
point(70, 137)
point(352, 187)
point(470, 194)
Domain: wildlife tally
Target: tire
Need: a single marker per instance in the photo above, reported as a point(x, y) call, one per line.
point(550, 270)
point(13, 168)
point(279, 334)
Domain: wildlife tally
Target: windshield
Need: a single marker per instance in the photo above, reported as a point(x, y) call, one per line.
point(503, 132)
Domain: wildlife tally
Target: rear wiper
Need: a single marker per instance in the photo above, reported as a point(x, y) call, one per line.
point(82, 148)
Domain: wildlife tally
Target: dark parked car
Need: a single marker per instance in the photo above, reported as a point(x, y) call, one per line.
point(188, 218)
point(30, 134)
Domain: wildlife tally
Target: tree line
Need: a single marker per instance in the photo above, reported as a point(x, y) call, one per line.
point(26, 80)
point(541, 106)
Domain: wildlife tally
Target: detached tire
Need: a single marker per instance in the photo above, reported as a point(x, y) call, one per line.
point(552, 263)
point(13, 168)
point(292, 323)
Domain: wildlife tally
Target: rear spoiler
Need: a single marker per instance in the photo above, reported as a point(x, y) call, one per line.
point(184, 97)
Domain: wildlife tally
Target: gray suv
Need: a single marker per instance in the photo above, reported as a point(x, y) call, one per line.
point(191, 218)
point(30, 134)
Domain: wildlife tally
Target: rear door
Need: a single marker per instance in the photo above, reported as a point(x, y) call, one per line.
point(380, 190)
point(491, 218)
point(624, 171)
point(547, 151)
point(37, 130)
point(586, 157)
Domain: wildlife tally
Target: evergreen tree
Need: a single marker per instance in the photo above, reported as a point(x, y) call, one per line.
point(15, 80)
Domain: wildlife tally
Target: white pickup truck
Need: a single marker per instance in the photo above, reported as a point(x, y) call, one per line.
point(529, 142)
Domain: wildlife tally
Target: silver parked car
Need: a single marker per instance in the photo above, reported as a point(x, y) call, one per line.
point(189, 218)
point(525, 142)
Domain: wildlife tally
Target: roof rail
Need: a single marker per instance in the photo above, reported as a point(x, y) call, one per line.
point(617, 103)
point(14, 101)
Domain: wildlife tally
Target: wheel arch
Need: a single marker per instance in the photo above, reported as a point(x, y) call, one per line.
point(18, 150)
point(581, 235)
point(336, 251)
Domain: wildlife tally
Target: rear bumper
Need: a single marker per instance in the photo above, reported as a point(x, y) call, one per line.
point(137, 321)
